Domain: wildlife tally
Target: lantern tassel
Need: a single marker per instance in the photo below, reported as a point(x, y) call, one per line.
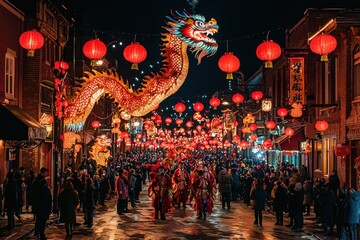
point(268, 64)
point(324, 58)
point(30, 53)
point(229, 76)
point(134, 66)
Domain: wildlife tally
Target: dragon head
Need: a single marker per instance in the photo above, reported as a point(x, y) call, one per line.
point(196, 32)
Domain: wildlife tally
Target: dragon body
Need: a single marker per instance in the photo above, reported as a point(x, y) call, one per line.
point(184, 31)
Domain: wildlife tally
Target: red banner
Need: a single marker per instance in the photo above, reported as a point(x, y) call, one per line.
point(297, 80)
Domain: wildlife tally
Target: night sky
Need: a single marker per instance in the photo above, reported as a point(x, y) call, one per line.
point(243, 25)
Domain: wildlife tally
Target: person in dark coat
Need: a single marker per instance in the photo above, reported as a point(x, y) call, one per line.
point(88, 203)
point(11, 199)
point(298, 207)
point(352, 212)
point(29, 180)
point(334, 182)
point(328, 206)
point(279, 195)
point(225, 181)
point(308, 190)
point(258, 194)
point(235, 185)
point(340, 215)
point(290, 204)
point(40, 205)
point(68, 202)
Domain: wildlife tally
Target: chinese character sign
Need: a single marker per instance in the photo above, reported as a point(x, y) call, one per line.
point(297, 81)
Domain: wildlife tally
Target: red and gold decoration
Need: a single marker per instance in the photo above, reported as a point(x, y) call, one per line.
point(321, 126)
point(214, 102)
point(296, 110)
point(229, 63)
point(95, 50)
point(116, 124)
point(100, 151)
point(323, 44)
point(135, 53)
point(70, 139)
point(31, 41)
point(184, 31)
point(268, 51)
point(297, 80)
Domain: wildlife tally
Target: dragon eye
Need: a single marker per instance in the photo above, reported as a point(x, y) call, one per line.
point(199, 23)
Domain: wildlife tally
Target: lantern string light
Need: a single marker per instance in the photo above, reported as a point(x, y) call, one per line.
point(103, 118)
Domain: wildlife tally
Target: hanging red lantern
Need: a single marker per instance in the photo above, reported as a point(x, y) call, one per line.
point(94, 50)
point(198, 106)
point(253, 127)
point(257, 95)
point(229, 63)
point(253, 137)
point(321, 126)
point(180, 107)
point(214, 102)
point(282, 112)
point(323, 44)
point(179, 121)
point(236, 138)
point(268, 51)
point(270, 124)
point(289, 131)
point(31, 40)
point(61, 66)
point(237, 98)
point(189, 124)
point(267, 144)
point(95, 124)
point(168, 121)
point(135, 53)
point(244, 144)
point(158, 120)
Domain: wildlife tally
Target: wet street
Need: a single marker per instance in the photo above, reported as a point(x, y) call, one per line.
point(180, 224)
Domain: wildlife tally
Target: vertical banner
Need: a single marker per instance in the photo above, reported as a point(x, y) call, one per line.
point(297, 81)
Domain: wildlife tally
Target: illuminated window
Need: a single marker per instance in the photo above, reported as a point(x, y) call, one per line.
point(10, 74)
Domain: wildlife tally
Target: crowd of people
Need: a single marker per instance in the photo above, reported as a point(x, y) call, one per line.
point(193, 180)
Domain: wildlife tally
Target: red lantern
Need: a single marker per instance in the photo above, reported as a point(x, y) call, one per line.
point(236, 138)
point(268, 51)
point(282, 112)
point(124, 135)
point(323, 44)
point(229, 63)
point(321, 126)
point(257, 95)
point(94, 50)
point(289, 131)
point(270, 125)
point(179, 121)
point(214, 102)
point(189, 124)
point(168, 121)
point(180, 107)
point(158, 120)
point(244, 144)
point(61, 66)
point(341, 151)
point(253, 137)
point(253, 127)
point(198, 106)
point(95, 124)
point(31, 40)
point(135, 53)
point(267, 144)
point(237, 98)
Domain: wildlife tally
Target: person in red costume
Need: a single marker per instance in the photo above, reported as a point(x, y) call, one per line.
point(160, 188)
point(203, 195)
point(181, 181)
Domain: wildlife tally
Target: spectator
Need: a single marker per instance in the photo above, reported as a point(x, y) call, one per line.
point(352, 212)
point(68, 202)
point(258, 194)
point(328, 207)
point(89, 203)
point(11, 199)
point(225, 181)
point(279, 195)
point(44, 208)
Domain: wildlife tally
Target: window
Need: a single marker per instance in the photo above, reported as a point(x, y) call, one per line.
point(10, 74)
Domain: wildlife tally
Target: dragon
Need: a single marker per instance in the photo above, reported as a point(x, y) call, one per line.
point(184, 31)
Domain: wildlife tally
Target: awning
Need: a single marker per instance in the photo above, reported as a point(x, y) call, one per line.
point(290, 143)
point(16, 124)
